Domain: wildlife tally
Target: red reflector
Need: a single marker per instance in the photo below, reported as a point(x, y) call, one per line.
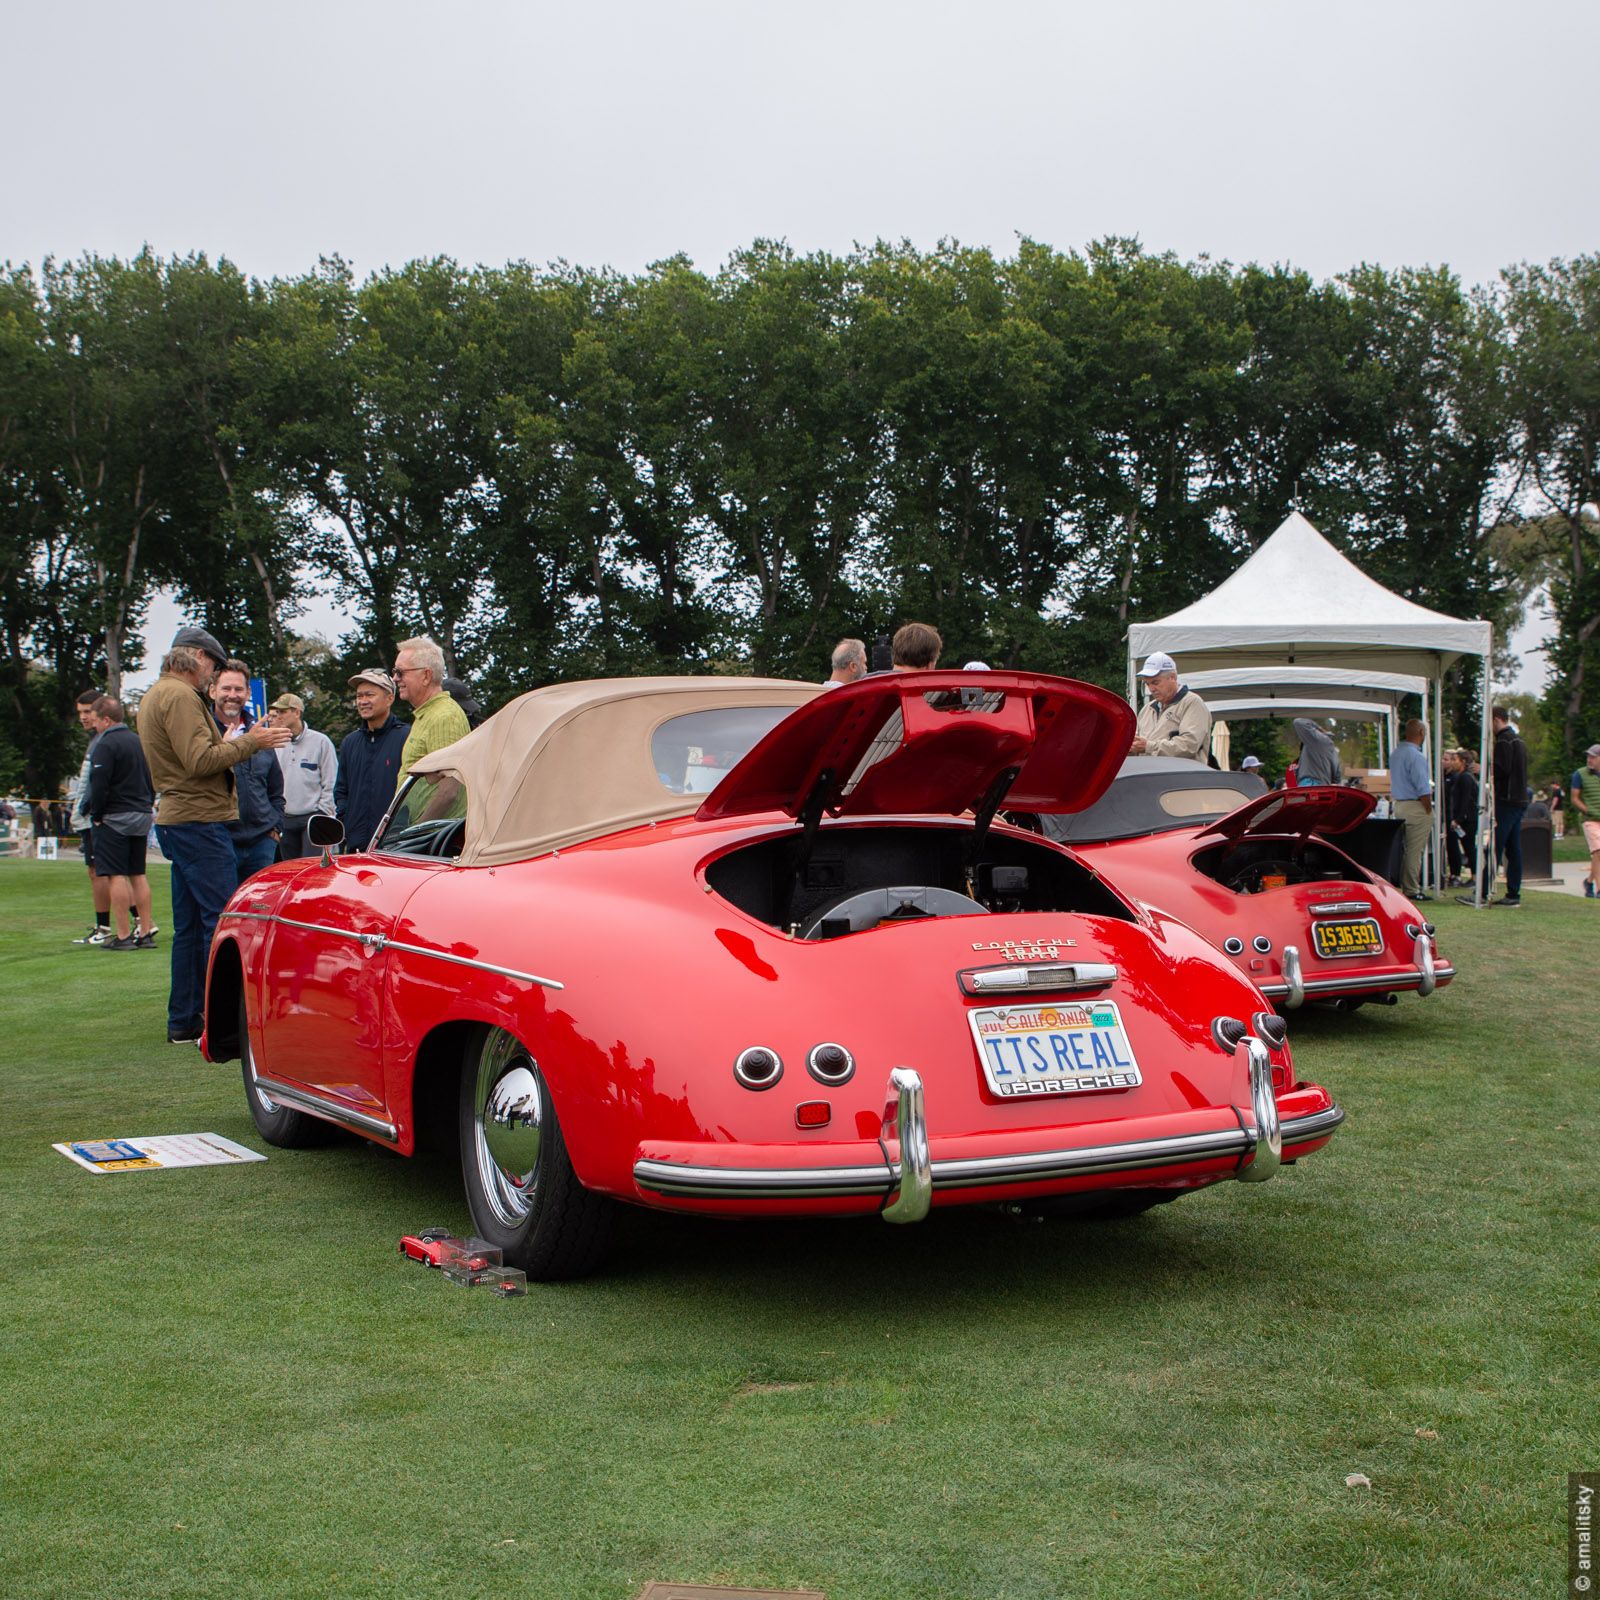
point(813, 1114)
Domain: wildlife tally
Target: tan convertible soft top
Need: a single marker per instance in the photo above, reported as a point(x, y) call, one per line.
point(574, 762)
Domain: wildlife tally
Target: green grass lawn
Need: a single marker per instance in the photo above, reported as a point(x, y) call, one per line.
point(225, 1381)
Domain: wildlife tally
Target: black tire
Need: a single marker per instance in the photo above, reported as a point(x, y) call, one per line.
point(521, 1189)
point(279, 1125)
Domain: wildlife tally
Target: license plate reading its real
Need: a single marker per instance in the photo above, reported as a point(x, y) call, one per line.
point(1359, 938)
point(1054, 1049)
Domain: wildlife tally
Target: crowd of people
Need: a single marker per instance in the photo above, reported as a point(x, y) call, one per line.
point(237, 793)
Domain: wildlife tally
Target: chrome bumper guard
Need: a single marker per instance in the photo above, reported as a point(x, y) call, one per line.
point(1294, 988)
point(905, 1123)
point(1254, 1064)
point(908, 1178)
point(1429, 979)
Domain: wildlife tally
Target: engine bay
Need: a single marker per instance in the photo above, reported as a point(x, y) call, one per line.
point(851, 878)
point(1255, 865)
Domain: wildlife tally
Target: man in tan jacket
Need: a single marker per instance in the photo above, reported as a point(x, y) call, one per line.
point(191, 768)
point(1174, 720)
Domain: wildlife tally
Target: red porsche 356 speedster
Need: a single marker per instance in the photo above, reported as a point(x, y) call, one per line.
point(1260, 873)
point(744, 948)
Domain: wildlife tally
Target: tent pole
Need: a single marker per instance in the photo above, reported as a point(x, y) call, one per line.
point(1439, 762)
point(1486, 822)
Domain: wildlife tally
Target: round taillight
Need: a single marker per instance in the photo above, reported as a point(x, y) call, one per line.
point(1234, 947)
point(1262, 943)
point(831, 1064)
point(757, 1067)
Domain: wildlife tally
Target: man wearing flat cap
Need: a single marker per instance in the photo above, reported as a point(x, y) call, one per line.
point(1174, 720)
point(369, 759)
point(191, 768)
point(309, 769)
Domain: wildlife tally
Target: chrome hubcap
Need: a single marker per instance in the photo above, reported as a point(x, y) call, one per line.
point(508, 1118)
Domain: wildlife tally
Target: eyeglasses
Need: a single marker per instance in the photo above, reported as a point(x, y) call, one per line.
point(400, 672)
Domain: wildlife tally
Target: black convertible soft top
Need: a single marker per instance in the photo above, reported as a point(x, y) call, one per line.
point(1154, 794)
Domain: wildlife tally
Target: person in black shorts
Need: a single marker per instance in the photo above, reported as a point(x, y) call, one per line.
point(101, 932)
point(121, 804)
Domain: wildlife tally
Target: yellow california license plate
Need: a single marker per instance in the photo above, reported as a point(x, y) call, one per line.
point(1359, 937)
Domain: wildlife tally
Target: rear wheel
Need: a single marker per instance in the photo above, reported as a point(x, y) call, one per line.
point(521, 1189)
point(277, 1124)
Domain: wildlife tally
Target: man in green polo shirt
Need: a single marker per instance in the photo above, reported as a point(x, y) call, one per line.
point(436, 721)
point(1585, 796)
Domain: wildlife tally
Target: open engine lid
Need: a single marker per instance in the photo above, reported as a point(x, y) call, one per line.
point(1321, 808)
point(934, 743)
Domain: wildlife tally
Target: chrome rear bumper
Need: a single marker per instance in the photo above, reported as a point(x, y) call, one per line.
point(1371, 983)
point(908, 1178)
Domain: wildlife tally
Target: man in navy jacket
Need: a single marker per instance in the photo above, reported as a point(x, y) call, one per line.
point(257, 780)
point(369, 759)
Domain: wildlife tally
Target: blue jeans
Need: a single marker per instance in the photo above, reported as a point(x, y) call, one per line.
point(1507, 846)
point(252, 857)
point(204, 875)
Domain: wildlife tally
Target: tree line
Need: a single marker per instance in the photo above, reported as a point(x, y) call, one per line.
point(562, 472)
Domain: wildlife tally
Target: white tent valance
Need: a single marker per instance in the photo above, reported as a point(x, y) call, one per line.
point(1298, 602)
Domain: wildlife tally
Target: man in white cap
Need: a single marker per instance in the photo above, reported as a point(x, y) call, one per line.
point(1174, 720)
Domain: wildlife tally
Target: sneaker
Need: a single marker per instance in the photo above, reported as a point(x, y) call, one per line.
point(1512, 900)
point(147, 940)
point(1588, 888)
point(189, 1035)
point(96, 935)
point(126, 942)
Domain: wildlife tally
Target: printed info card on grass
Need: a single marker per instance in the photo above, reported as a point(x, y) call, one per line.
point(163, 1150)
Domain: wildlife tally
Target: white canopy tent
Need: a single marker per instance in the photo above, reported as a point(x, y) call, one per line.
point(1296, 603)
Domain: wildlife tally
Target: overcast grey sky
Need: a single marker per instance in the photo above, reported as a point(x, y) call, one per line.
point(618, 132)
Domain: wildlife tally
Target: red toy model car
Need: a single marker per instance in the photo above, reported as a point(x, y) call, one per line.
point(837, 983)
point(1260, 873)
point(431, 1247)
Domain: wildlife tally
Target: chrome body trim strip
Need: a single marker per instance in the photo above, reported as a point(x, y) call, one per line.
point(1300, 1130)
point(982, 1171)
point(1404, 978)
point(481, 966)
point(765, 1183)
point(905, 1121)
point(1334, 908)
point(346, 1116)
point(377, 941)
